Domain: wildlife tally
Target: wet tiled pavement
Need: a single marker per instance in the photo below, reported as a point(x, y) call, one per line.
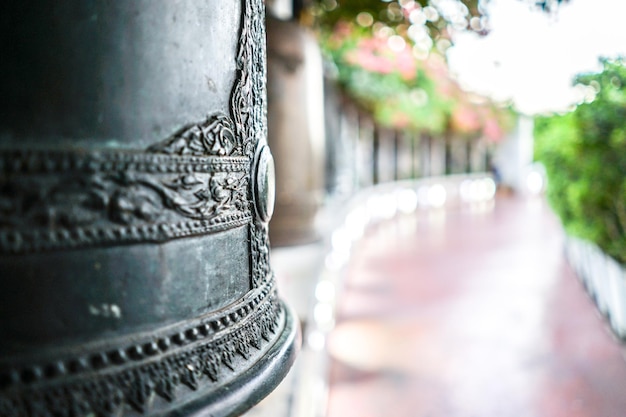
point(471, 313)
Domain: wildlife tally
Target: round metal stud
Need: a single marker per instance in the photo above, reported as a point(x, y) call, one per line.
point(264, 184)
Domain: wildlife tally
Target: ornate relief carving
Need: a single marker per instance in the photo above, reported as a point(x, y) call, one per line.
point(50, 200)
point(110, 383)
point(260, 253)
point(125, 197)
point(216, 136)
point(248, 98)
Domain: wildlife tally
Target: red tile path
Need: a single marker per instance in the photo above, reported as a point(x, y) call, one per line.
point(471, 314)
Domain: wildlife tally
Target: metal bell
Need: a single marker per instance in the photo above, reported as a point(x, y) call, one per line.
point(136, 187)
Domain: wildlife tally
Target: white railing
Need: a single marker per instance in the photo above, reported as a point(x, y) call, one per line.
point(604, 279)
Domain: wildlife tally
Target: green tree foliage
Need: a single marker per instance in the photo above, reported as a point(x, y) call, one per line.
point(389, 58)
point(584, 152)
point(398, 90)
point(382, 74)
point(437, 16)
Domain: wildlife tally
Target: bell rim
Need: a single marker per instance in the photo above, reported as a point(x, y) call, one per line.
point(255, 383)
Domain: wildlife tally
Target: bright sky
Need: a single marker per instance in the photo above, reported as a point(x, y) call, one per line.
point(531, 57)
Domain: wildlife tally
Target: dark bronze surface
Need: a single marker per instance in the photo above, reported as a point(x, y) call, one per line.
point(135, 192)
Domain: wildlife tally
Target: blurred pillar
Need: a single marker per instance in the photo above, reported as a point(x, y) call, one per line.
point(416, 155)
point(437, 156)
point(477, 155)
point(514, 155)
point(341, 141)
point(295, 130)
point(448, 157)
point(404, 155)
point(396, 155)
point(365, 150)
point(457, 155)
point(469, 146)
point(386, 155)
point(425, 154)
point(349, 179)
point(376, 155)
point(335, 145)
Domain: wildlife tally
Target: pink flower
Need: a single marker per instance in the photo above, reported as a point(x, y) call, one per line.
point(369, 61)
point(492, 130)
point(465, 119)
point(373, 54)
point(400, 120)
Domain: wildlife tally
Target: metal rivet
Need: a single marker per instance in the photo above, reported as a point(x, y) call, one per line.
point(265, 183)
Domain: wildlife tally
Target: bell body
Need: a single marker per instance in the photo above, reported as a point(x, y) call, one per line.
point(136, 187)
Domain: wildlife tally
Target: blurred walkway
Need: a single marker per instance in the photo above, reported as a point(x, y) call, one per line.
point(471, 314)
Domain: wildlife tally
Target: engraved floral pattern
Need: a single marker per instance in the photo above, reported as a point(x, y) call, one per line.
point(215, 136)
point(76, 210)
